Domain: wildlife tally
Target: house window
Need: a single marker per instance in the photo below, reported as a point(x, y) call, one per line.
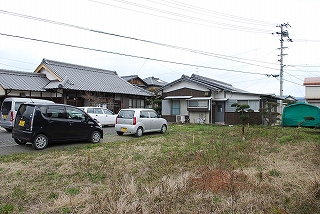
point(254, 104)
point(175, 107)
point(198, 103)
point(136, 103)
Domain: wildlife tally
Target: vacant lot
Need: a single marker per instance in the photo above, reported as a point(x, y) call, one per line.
point(190, 169)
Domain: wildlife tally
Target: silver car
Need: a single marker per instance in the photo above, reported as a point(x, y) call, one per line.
point(139, 121)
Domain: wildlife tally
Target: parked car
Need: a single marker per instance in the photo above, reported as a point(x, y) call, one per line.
point(9, 109)
point(139, 121)
point(103, 115)
point(42, 123)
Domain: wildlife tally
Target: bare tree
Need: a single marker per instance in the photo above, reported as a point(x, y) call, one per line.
point(96, 99)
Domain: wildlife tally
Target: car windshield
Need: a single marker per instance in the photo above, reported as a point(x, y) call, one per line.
point(128, 114)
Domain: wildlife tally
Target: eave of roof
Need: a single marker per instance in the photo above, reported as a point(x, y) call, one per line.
point(312, 81)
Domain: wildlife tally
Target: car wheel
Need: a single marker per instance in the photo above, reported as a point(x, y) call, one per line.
point(95, 137)
point(163, 129)
point(8, 130)
point(139, 132)
point(120, 133)
point(20, 142)
point(41, 141)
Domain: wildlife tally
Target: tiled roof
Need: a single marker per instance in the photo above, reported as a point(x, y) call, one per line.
point(77, 77)
point(152, 81)
point(132, 79)
point(127, 78)
point(215, 83)
point(312, 81)
point(25, 81)
point(205, 82)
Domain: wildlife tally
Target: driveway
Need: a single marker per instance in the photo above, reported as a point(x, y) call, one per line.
point(8, 146)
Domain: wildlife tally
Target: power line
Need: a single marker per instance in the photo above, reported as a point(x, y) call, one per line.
point(306, 65)
point(177, 14)
point(306, 40)
point(127, 55)
point(195, 9)
point(225, 57)
point(204, 22)
point(14, 66)
point(18, 61)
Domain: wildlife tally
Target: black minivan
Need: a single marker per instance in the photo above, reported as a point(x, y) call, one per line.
point(41, 123)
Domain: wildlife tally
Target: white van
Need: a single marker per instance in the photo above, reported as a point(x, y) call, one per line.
point(9, 109)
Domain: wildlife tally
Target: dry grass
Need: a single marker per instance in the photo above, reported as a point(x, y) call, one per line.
point(191, 169)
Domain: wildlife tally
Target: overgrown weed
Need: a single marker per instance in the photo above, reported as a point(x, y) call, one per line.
point(191, 169)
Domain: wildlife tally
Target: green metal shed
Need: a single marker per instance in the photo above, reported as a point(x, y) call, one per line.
point(294, 114)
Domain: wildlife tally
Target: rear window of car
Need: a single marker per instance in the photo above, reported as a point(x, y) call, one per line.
point(127, 114)
point(25, 113)
point(6, 106)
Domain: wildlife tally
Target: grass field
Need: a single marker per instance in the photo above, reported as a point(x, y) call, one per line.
point(190, 169)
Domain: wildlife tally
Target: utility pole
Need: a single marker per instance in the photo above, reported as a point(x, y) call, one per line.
point(283, 33)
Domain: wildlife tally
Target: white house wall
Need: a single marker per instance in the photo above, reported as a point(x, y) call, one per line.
point(312, 92)
point(48, 74)
point(236, 96)
point(182, 85)
point(218, 95)
point(19, 93)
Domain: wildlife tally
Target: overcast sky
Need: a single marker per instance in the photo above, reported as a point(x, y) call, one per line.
point(234, 41)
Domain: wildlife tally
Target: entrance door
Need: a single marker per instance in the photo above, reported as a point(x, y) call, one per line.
point(220, 112)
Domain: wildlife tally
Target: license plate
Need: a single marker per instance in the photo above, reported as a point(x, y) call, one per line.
point(5, 116)
point(124, 129)
point(22, 122)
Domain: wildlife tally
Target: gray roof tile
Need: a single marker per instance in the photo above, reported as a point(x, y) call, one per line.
point(77, 77)
point(205, 82)
point(152, 81)
point(25, 81)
